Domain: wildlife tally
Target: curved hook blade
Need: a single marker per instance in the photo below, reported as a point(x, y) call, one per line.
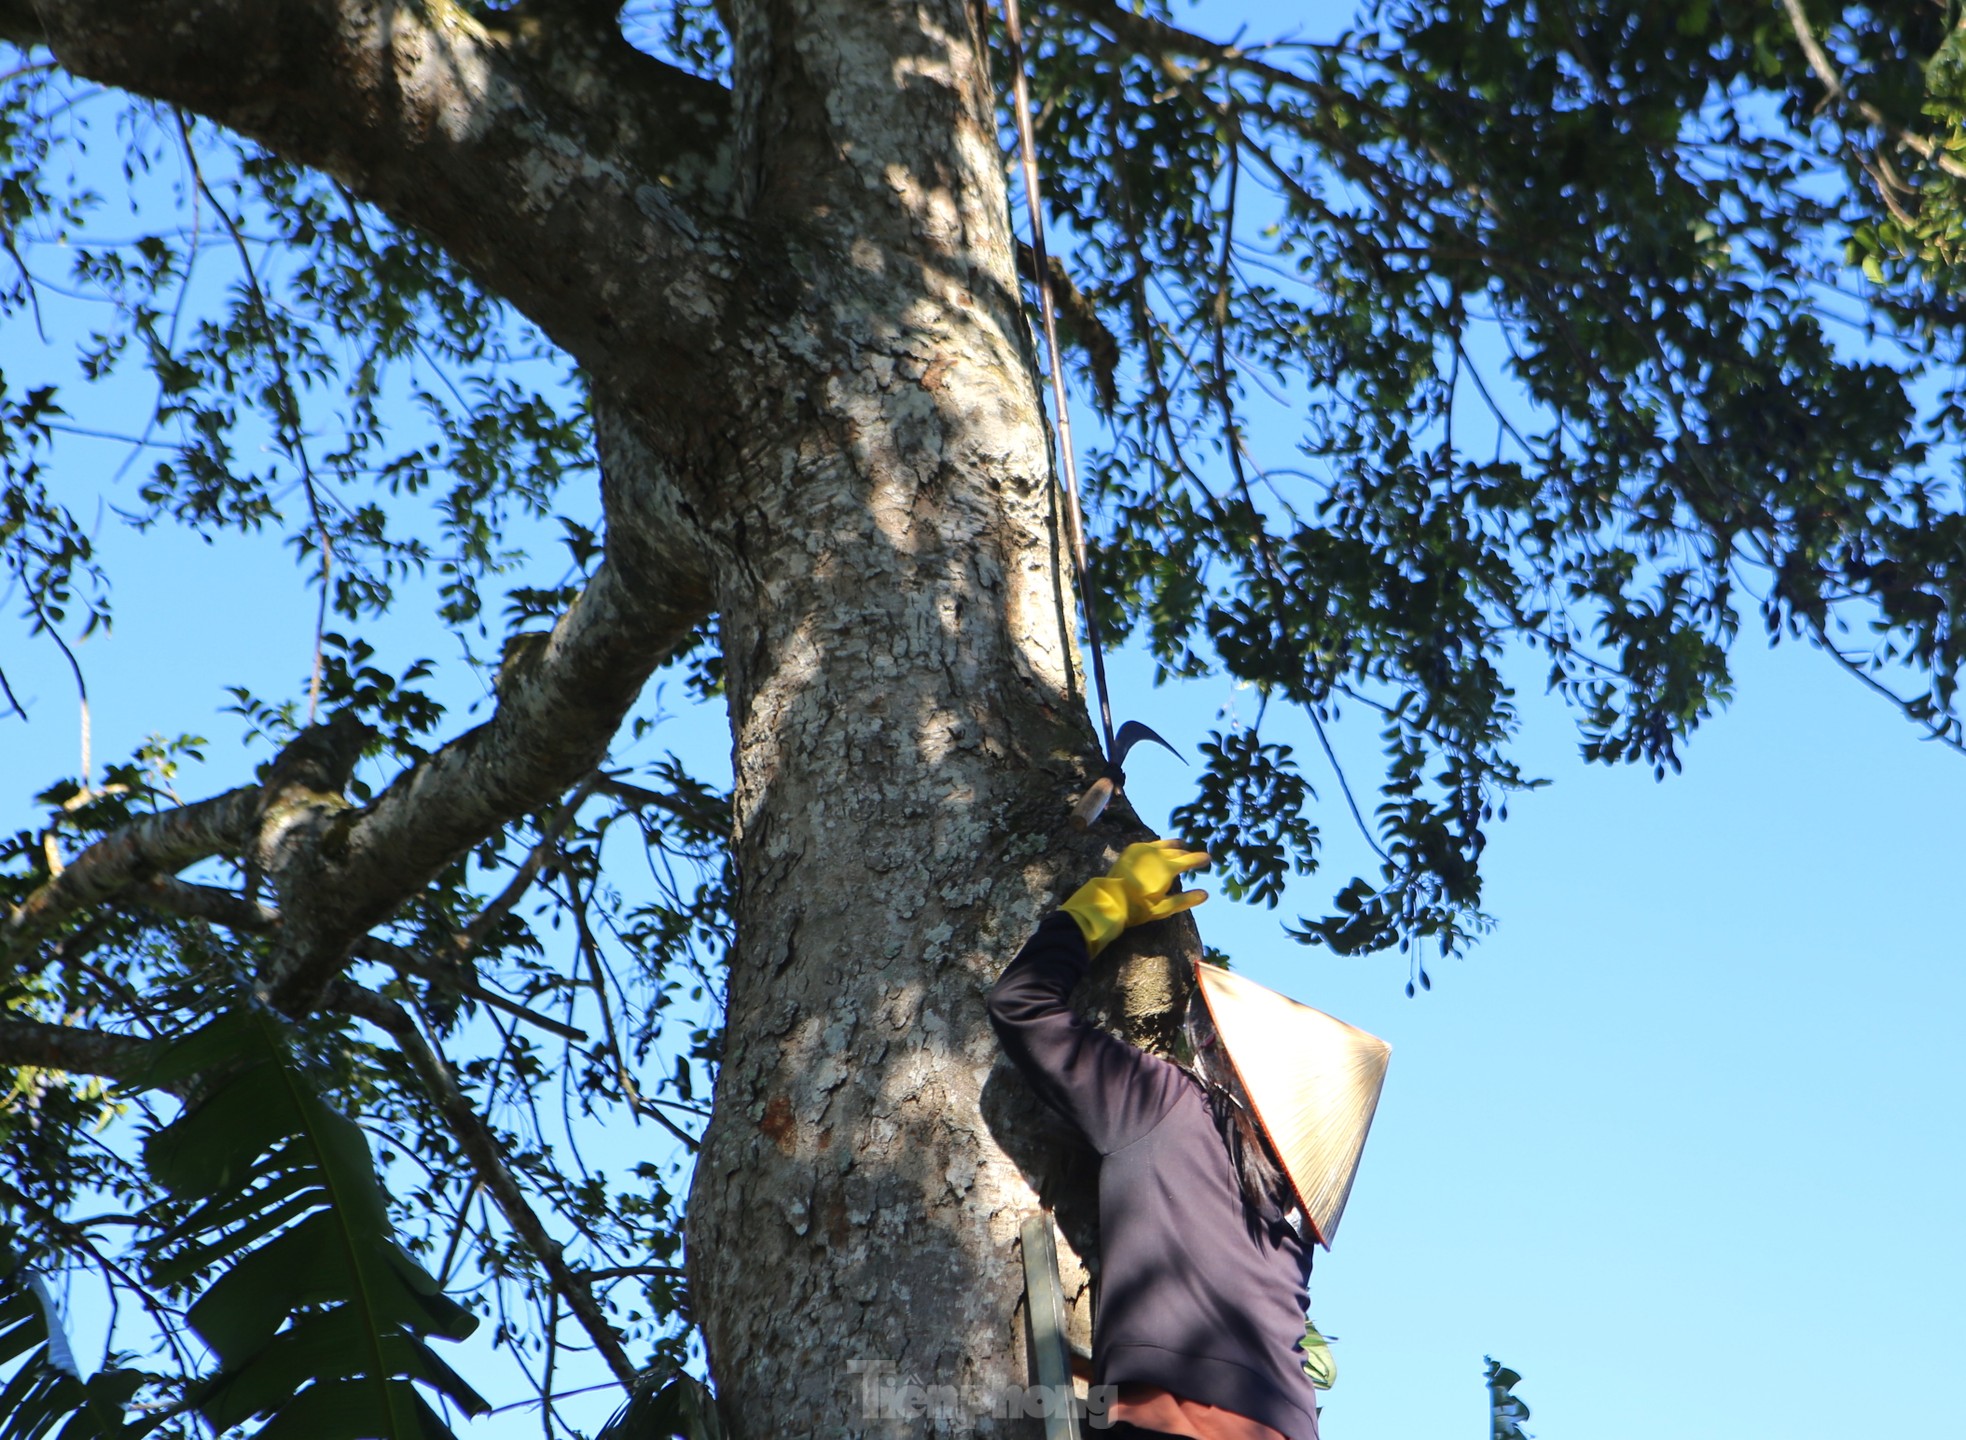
point(1131, 733)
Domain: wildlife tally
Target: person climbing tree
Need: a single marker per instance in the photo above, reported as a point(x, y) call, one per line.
point(1206, 1232)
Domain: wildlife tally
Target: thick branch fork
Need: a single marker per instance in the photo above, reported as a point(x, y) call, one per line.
point(339, 870)
point(342, 872)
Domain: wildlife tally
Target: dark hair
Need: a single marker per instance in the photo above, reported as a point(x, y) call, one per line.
point(1257, 1169)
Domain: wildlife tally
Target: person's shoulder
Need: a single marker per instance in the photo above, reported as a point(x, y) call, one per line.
point(1186, 1096)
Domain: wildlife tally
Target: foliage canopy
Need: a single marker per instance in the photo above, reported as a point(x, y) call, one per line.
point(1600, 329)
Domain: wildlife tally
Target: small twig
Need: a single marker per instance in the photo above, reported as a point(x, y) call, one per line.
point(546, 1415)
point(638, 797)
point(650, 1108)
point(81, 687)
point(591, 950)
point(369, 947)
point(485, 921)
point(12, 700)
point(292, 440)
point(1345, 785)
point(546, 1399)
point(623, 1272)
point(27, 280)
point(28, 69)
point(457, 1230)
point(1948, 735)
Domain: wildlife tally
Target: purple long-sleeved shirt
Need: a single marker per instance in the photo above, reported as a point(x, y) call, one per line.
point(1200, 1293)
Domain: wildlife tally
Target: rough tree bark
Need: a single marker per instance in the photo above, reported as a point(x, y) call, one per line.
point(819, 423)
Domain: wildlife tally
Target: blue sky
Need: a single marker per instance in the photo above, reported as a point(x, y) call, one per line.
point(1681, 1141)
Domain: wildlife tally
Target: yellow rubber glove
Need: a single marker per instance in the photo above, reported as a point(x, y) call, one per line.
point(1134, 891)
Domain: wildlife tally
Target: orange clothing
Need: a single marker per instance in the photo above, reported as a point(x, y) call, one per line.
point(1152, 1408)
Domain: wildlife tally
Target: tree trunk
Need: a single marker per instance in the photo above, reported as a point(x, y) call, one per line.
point(818, 415)
point(908, 730)
point(909, 735)
point(893, 690)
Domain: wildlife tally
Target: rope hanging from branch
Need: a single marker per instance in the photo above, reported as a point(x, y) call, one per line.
point(1114, 745)
point(1067, 457)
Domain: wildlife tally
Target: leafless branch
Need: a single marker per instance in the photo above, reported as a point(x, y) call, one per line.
point(638, 797)
point(81, 688)
point(410, 963)
point(473, 935)
point(597, 977)
point(13, 701)
point(72, 1048)
point(155, 844)
point(481, 1146)
point(1949, 732)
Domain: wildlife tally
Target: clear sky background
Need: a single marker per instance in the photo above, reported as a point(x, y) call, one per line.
point(1681, 1141)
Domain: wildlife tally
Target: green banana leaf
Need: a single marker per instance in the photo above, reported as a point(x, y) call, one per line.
point(46, 1395)
point(319, 1319)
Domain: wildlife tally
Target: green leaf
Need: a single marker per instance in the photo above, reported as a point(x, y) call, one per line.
point(318, 1317)
point(355, 1410)
point(666, 1406)
point(1319, 1363)
point(45, 1396)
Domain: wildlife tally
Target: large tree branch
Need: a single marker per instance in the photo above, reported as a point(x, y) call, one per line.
point(19, 25)
point(172, 896)
point(340, 871)
point(154, 845)
point(544, 152)
point(71, 1048)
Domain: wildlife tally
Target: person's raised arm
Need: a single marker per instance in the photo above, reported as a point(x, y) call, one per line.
point(1113, 1091)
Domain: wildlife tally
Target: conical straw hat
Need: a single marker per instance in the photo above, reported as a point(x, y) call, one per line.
point(1312, 1079)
